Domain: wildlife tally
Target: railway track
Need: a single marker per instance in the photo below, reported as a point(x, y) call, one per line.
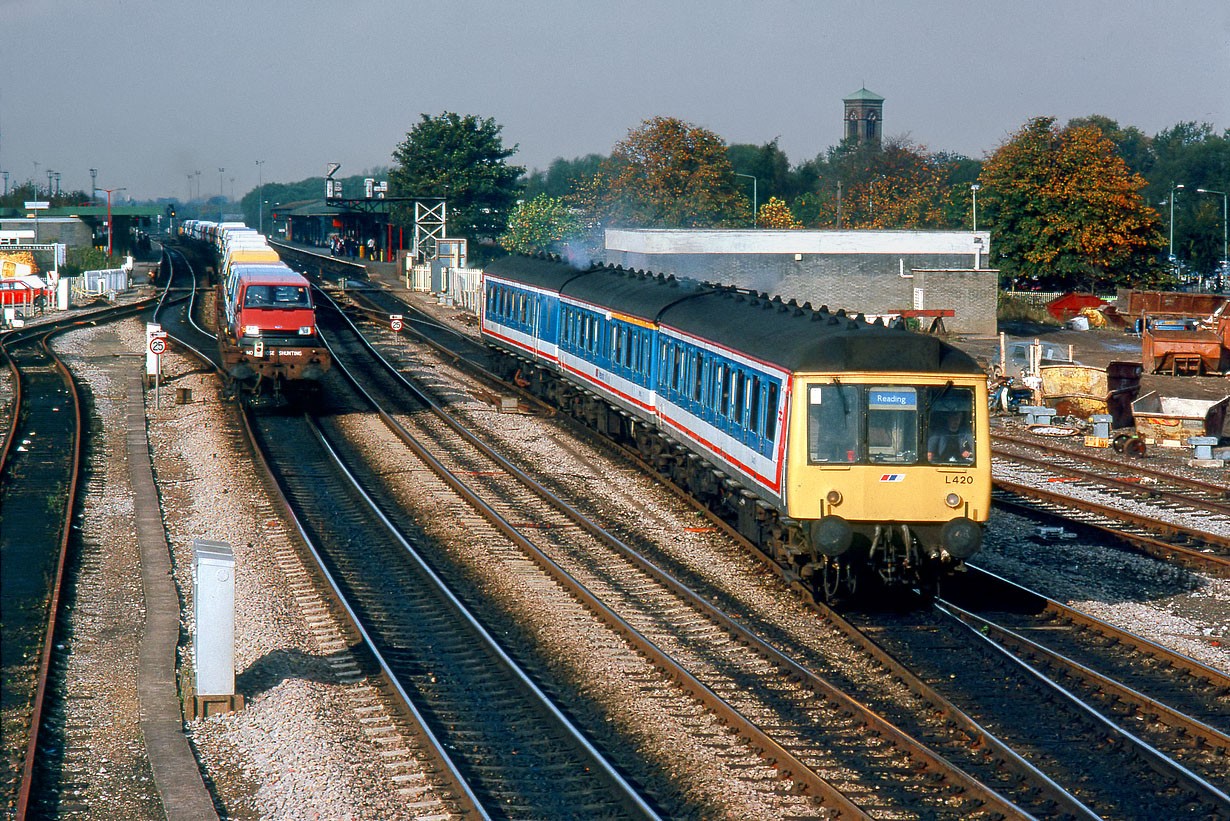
point(1197, 796)
point(1175, 518)
point(762, 688)
point(502, 735)
point(1178, 705)
point(40, 466)
point(1114, 771)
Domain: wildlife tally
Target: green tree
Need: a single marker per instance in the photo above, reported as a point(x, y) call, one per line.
point(541, 225)
point(672, 174)
point(769, 165)
point(563, 176)
point(1067, 211)
point(461, 159)
point(1195, 156)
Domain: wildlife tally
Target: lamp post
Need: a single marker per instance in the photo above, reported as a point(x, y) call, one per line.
point(198, 185)
point(221, 192)
point(974, 190)
point(109, 191)
point(1225, 260)
point(93, 183)
point(1173, 189)
point(754, 193)
point(260, 197)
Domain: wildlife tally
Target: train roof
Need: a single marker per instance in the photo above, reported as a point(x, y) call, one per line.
point(269, 273)
point(791, 336)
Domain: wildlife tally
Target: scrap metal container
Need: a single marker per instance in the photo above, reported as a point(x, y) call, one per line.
point(1172, 419)
point(1083, 391)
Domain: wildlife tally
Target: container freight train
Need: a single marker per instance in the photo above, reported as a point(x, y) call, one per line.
point(843, 450)
point(264, 314)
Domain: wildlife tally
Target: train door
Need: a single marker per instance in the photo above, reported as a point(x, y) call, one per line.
point(536, 323)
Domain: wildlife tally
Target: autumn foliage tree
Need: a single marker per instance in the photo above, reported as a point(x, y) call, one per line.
point(1067, 212)
point(776, 214)
point(543, 224)
point(898, 185)
point(672, 174)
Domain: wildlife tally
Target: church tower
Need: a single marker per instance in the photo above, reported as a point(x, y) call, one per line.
point(864, 116)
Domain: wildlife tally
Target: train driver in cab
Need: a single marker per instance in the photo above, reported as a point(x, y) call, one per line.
point(950, 439)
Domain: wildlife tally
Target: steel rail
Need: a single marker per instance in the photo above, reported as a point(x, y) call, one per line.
point(23, 336)
point(1139, 643)
point(1024, 645)
point(467, 799)
point(777, 755)
point(1156, 759)
point(744, 636)
point(44, 668)
point(1136, 466)
point(441, 755)
point(1195, 559)
point(1128, 486)
point(983, 737)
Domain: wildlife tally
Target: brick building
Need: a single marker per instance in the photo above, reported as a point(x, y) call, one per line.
point(873, 272)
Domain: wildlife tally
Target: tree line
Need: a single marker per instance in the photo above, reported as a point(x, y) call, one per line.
point(1084, 204)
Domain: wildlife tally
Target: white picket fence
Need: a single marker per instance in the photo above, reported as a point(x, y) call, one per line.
point(461, 285)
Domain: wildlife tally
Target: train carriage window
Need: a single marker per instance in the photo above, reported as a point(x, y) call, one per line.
point(892, 425)
point(770, 412)
point(676, 364)
point(753, 422)
point(738, 414)
point(698, 362)
point(832, 424)
point(950, 433)
point(524, 305)
point(724, 403)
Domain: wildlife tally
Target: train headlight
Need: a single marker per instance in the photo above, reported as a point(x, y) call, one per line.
point(251, 330)
point(833, 497)
point(952, 500)
point(831, 535)
point(961, 537)
point(306, 330)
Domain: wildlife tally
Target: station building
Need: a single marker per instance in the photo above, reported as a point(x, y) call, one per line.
point(863, 271)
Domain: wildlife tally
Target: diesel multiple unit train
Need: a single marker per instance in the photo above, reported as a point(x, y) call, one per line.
point(842, 449)
point(265, 317)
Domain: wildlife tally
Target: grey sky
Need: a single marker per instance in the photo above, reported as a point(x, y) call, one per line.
point(148, 91)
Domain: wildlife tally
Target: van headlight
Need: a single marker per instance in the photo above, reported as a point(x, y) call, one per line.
point(251, 330)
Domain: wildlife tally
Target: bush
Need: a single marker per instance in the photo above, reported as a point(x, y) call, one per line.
point(1016, 309)
point(77, 260)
